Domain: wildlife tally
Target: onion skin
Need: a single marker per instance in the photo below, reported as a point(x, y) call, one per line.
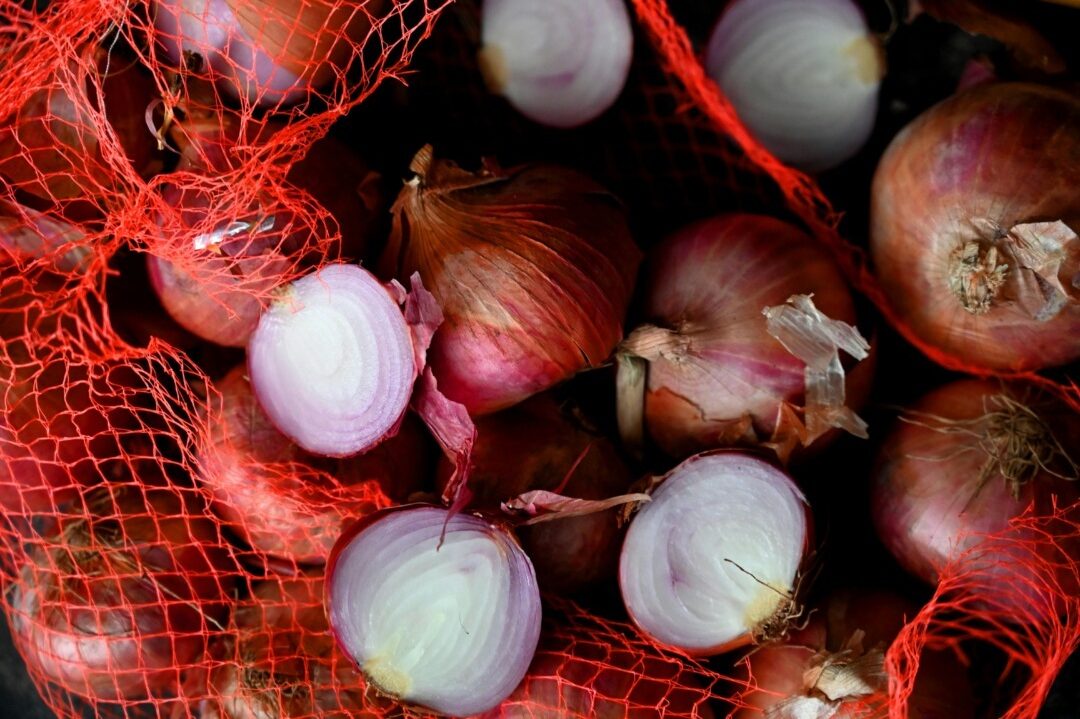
point(533, 446)
point(27, 235)
point(926, 482)
point(533, 268)
point(287, 503)
point(713, 365)
point(964, 173)
point(159, 582)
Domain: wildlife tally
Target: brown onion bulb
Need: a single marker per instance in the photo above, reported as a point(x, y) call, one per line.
point(533, 268)
point(974, 222)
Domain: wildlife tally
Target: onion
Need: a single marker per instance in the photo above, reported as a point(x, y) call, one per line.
point(120, 595)
point(711, 563)
point(533, 268)
point(834, 667)
point(974, 218)
point(266, 52)
point(803, 76)
point(533, 446)
point(338, 337)
point(560, 63)
point(449, 624)
point(285, 502)
point(965, 460)
point(27, 235)
point(716, 374)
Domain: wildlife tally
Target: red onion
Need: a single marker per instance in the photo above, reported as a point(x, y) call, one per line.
point(803, 76)
point(560, 63)
point(965, 460)
point(449, 624)
point(268, 52)
point(533, 446)
point(27, 235)
point(834, 667)
point(285, 502)
point(332, 361)
point(717, 372)
point(533, 268)
point(711, 563)
point(974, 218)
point(121, 595)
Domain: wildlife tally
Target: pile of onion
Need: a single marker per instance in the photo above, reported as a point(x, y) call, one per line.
point(965, 460)
point(711, 369)
point(974, 221)
point(265, 52)
point(285, 502)
point(532, 266)
point(438, 610)
point(120, 593)
point(533, 446)
point(712, 562)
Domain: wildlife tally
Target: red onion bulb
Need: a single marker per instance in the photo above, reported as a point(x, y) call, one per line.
point(803, 76)
point(974, 221)
point(711, 563)
point(560, 62)
point(449, 624)
point(332, 361)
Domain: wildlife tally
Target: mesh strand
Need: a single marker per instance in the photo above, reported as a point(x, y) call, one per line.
point(101, 439)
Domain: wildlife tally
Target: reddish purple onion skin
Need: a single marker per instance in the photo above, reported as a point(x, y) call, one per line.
point(455, 633)
point(705, 290)
point(961, 175)
point(926, 490)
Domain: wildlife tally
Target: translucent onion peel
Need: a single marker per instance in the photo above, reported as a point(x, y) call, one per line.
point(332, 361)
point(803, 76)
point(561, 62)
point(711, 563)
point(974, 220)
point(450, 627)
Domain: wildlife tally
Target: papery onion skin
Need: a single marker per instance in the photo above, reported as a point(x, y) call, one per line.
point(115, 616)
point(285, 502)
point(533, 446)
point(963, 174)
point(803, 76)
point(928, 488)
point(561, 63)
point(533, 268)
point(267, 52)
point(717, 365)
point(359, 593)
point(674, 554)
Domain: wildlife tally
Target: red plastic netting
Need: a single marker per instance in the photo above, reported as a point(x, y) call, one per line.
point(135, 588)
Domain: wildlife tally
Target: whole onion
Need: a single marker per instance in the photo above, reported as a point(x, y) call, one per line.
point(803, 76)
point(711, 563)
point(265, 52)
point(533, 268)
point(439, 610)
point(285, 502)
point(27, 235)
point(534, 447)
point(965, 460)
point(117, 597)
point(715, 374)
point(560, 62)
point(974, 218)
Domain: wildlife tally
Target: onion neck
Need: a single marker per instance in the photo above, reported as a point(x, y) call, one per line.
point(652, 342)
point(976, 275)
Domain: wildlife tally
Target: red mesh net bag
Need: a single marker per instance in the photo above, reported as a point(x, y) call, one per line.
point(182, 148)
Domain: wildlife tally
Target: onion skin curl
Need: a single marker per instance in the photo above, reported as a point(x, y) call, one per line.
point(951, 199)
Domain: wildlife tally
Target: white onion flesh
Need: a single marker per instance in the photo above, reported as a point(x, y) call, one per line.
point(450, 628)
point(559, 62)
point(332, 362)
point(697, 558)
point(803, 76)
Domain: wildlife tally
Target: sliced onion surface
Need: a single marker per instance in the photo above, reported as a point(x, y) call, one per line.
point(711, 562)
point(332, 361)
point(450, 628)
